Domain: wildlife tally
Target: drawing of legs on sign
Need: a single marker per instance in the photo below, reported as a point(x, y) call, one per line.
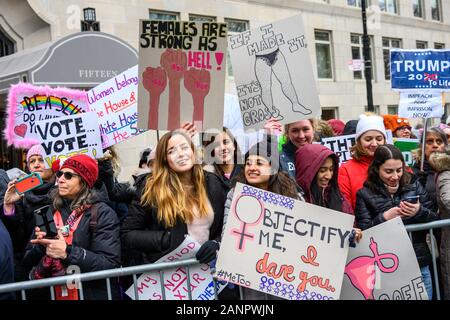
point(249, 211)
point(274, 62)
point(154, 81)
point(361, 270)
point(174, 63)
point(197, 82)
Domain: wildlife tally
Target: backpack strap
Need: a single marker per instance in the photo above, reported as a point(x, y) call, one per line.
point(93, 221)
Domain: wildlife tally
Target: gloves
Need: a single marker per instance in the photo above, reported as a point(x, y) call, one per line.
point(207, 251)
point(351, 239)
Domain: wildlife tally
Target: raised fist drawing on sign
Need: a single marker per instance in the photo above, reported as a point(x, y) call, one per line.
point(197, 82)
point(174, 63)
point(154, 81)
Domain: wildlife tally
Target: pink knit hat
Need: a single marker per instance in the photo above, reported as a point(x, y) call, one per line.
point(35, 150)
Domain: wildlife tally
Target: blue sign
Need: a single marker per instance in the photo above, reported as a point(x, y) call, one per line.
point(420, 69)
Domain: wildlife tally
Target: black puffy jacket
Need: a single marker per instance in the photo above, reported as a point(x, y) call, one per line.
point(370, 207)
point(21, 224)
point(95, 246)
point(148, 238)
point(426, 179)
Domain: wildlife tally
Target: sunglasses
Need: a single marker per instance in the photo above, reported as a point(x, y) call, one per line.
point(67, 175)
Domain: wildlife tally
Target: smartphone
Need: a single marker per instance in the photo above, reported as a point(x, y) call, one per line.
point(28, 182)
point(411, 199)
point(45, 222)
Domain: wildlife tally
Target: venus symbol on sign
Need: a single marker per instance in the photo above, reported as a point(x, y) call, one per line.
point(249, 211)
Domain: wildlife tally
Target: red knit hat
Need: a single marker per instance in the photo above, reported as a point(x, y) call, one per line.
point(85, 166)
point(337, 125)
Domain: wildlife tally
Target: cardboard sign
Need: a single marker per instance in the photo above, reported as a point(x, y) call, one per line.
point(383, 266)
point(407, 147)
point(182, 74)
point(64, 137)
point(287, 248)
point(28, 104)
point(420, 104)
point(273, 73)
point(341, 146)
point(175, 280)
point(115, 102)
point(420, 69)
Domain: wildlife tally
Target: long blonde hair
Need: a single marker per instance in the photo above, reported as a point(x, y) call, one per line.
point(164, 190)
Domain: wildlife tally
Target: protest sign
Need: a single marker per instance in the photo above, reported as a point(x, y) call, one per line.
point(115, 102)
point(420, 69)
point(175, 280)
point(420, 104)
point(341, 146)
point(407, 147)
point(383, 266)
point(64, 137)
point(285, 247)
point(181, 63)
point(28, 104)
point(273, 73)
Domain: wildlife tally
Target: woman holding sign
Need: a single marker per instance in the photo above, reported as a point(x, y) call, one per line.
point(86, 232)
point(261, 171)
point(388, 193)
point(17, 210)
point(177, 199)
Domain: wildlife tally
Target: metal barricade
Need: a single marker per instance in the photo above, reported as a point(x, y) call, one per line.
point(160, 267)
point(430, 226)
point(104, 275)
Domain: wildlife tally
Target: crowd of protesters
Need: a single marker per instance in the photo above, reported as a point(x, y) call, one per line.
point(104, 224)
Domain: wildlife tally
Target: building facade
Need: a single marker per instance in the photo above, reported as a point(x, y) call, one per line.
point(333, 31)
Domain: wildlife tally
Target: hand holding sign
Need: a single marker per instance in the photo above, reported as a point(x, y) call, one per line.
point(197, 82)
point(154, 81)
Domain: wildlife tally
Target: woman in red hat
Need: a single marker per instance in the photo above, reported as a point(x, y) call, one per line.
point(88, 230)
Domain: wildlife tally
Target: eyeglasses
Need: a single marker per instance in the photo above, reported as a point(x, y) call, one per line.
point(404, 128)
point(67, 175)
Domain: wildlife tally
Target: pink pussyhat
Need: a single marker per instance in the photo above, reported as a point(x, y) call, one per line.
point(35, 150)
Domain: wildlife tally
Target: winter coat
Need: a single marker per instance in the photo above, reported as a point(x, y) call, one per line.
point(4, 180)
point(150, 239)
point(351, 177)
point(287, 159)
point(21, 224)
point(441, 162)
point(228, 183)
point(427, 180)
point(370, 207)
point(95, 245)
point(308, 161)
point(6, 262)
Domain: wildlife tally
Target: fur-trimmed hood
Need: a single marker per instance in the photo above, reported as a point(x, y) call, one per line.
point(440, 161)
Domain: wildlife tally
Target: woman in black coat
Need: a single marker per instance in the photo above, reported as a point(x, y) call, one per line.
point(387, 194)
point(88, 232)
point(178, 199)
point(17, 212)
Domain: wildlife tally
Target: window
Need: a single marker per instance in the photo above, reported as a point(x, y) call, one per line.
point(436, 10)
point(389, 43)
point(357, 53)
point(392, 109)
point(417, 8)
point(323, 54)
point(375, 108)
point(196, 17)
point(388, 5)
point(357, 3)
point(438, 45)
point(330, 113)
point(421, 44)
point(6, 45)
point(163, 15)
point(234, 26)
